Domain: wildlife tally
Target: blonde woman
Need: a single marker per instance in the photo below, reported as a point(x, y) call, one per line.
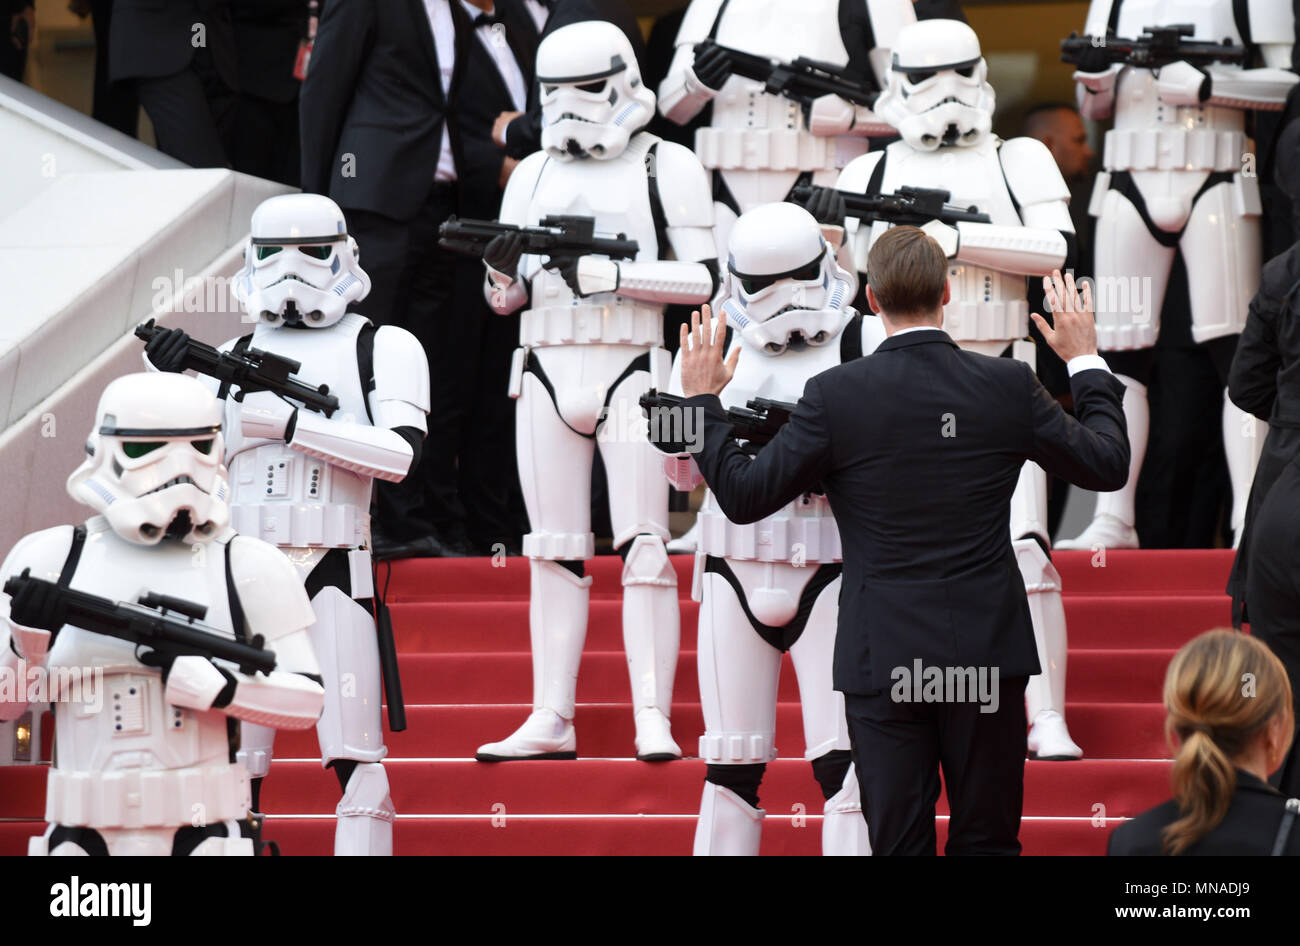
point(1230, 709)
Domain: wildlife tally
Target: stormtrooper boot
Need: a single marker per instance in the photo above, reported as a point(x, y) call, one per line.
point(844, 830)
point(558, 626)
point(1112, 524)
point(728, 826)
point(651, 636)
point(1049, 738)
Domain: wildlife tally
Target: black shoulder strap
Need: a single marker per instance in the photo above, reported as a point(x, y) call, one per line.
point(239, 348)
point(232, 596)
point(1015, 204)
point(877, 175)
point(1241, 16)
point(851, 340)
point(656, 202)
point(1112, 23)
point(74, 556)
point(1284, 830)
point(366, 364)
point(717, 20)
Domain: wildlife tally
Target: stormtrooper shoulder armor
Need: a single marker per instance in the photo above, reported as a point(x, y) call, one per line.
point(684, 188)
point(1271, 22)
point(401, 394)
point(698, 22)
point(1031, 172)
point(887, 18)
point(269, 588)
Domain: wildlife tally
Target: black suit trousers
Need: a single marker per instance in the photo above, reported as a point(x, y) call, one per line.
point(193, 113)
point(898, 750)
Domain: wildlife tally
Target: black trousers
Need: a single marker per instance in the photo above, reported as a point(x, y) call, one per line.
point(466, 484)
point(265, 139)
point(115, 103)
point(1273, 593)
point(898, 749)
point(193, 113)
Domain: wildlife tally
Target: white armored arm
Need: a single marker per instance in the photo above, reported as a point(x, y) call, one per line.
point(831, 115)
point(1096, 90)
point(1272, 32)
point(681, 94)
point(276, 607)
point(43, 553)
point(401, 394)
point(687, 202)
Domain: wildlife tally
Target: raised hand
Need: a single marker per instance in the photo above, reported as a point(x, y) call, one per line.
point(1075, 330)
point(703, 369)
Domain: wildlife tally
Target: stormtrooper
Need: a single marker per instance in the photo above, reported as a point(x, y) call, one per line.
point(302, 481)
point(756, 145)
point(145, 765)
point(591, 340)
point(773, 586)
point(759, 145)
point(1173, 180)
point(940, 101)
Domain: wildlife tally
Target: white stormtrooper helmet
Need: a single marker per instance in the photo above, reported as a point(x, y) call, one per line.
point(300, 265)
point(783, 284)
point(593, 99)
point(155, 468)
point(938, 92)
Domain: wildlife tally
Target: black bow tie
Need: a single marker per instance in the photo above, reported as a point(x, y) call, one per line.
point(486, 19)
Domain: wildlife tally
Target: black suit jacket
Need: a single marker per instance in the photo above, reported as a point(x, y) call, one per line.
point(267, 33)
point(919, 446)
point(1249, 828)
point(154, 38)
point(374, 92)
point(479, 102)
point(524, 134)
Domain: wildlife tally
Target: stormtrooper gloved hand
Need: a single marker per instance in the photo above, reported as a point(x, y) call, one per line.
point(166, 350)
point(826, 204)
point(502, 255)
point(711, 67)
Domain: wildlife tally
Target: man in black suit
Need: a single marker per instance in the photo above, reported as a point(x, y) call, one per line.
point(180, 57)
point(520, 131)
point(268, 34)
point(918, 447)
point(378, 136)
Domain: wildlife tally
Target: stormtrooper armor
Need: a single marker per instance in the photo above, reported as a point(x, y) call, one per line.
point(302, 481)
point(942, 104)
point(144, 761)
point(1172, 179)
point(773, 585)
point(759, 145)
point(590, 345)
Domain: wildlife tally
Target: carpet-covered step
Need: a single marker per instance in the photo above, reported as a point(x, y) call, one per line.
point(638, 835)
point(1154, 571)
point(1094, 621)
point(628, 787)
point(605, 730)
point(1094, 676)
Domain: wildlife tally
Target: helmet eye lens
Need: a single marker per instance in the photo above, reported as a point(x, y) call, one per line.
point(916, 78)
point(203, 446)
point(593, 87)
point(966, 72)
point(263, 252)
point(317, 252)
point(756, 284)
point(810, 272)
point(136, 449)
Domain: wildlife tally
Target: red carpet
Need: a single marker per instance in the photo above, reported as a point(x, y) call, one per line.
point(462, 626)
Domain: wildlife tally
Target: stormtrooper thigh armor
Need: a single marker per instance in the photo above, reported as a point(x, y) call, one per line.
point(556, 436)
point(739, 673)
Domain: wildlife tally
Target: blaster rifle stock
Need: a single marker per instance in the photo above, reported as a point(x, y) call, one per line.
point(148, 624)
point(251, 370)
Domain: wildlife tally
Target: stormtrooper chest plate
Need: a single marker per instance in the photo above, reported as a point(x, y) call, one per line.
point(285, 497)
point(120, 721)
point(986, 305)
point(616, 193)
point(804, 530)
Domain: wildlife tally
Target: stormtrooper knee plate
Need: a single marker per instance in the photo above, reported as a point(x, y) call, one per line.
point(348, 651)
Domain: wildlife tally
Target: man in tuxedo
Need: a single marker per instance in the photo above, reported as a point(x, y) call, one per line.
point(918, 447)
point(379, 135)
point(181, 59)
point(519, 131)
point(268, 34)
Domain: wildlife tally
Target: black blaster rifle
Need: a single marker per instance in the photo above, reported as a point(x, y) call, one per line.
point(148, 624)
point(560, 236)
point(756, 423)
point(914, 206)
point(252, 370)
point(1157, 46)
point(802, 80)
